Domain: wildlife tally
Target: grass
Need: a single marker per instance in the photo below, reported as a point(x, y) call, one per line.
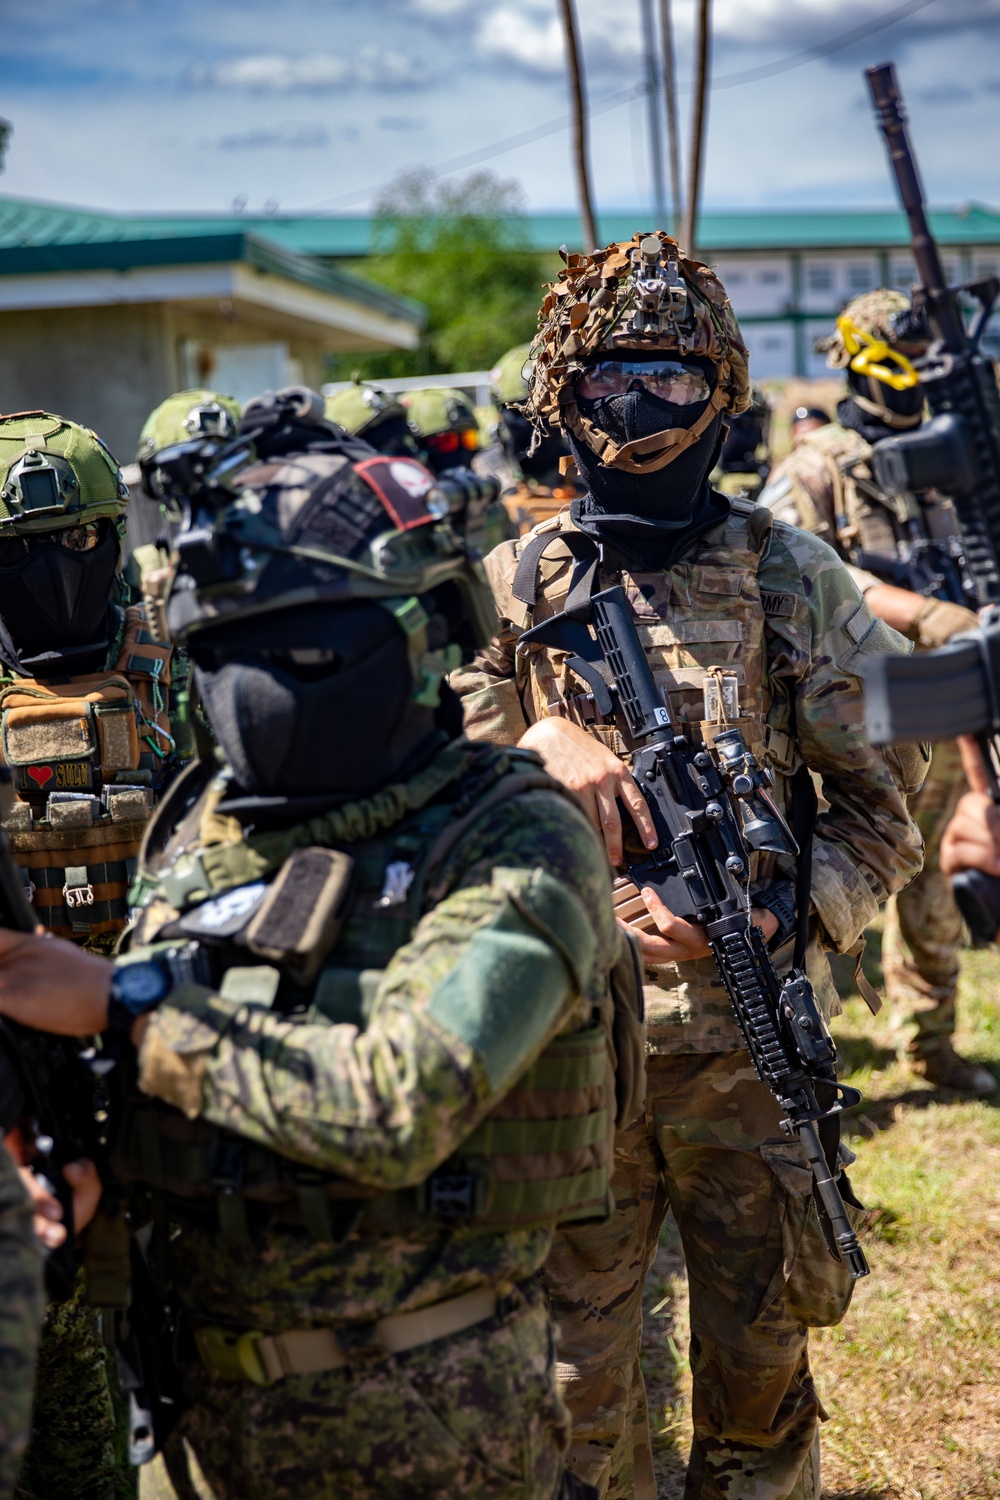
point(911, 1378)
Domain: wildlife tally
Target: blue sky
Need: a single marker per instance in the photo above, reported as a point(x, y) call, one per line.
point(303, 104)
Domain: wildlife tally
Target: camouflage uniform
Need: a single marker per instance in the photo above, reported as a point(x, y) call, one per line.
point(365, 1148)
point(826, 484)
point(21, 1305)
point(757, 624)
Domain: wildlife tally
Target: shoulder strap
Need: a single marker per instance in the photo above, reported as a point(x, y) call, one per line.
point(510, 785)
point(581, 547)
point(748, 524)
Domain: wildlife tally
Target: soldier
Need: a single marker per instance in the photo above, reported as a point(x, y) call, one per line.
point(745, 620)
point(85, 726)
point(532, 486)
point(379, 417)
point(826, 485)
point(21, 1306)
point(807, 419)
point(444, 427)
point(744, 461)
point(369, 987)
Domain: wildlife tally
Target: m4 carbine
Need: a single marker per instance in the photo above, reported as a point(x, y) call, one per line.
point(935, 695)
point(958, 451)
point(710, 812)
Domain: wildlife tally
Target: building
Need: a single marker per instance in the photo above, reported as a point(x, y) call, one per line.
point(103, 315)
point(244, 302)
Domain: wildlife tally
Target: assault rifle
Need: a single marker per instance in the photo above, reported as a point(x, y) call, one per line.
point(710, 812)
point(935, 695)
point(47, 1091)
point(958, 451)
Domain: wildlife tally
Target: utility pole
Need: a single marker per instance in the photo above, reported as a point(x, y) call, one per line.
point(670, 101)
point(653, 111)
point(577, 89)
point(698, 125)
point(6, 131)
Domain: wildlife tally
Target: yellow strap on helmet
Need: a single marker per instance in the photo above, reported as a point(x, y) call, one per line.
point(868, 356)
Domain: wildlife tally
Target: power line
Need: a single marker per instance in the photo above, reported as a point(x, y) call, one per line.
point(639, 90)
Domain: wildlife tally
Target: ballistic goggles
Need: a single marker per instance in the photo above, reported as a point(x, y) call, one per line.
point(668, 380)
point(452, 441)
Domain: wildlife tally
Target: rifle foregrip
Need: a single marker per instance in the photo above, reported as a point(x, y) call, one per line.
point(977, 896)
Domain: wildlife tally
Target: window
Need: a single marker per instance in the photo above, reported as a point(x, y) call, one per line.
point(903, 274)
point(983, 268)
point(769, 278)
point(859, 276)
point(735, 278)
point(819, 278)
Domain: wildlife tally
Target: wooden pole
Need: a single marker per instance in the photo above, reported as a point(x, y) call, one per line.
point(577, 86)
point(698, 126)
point(670, 101)
point(653, 111)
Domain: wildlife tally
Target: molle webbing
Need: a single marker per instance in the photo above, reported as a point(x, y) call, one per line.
point(542, 1157)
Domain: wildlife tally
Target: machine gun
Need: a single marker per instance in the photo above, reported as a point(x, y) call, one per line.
point(710, 812)
point(48, 1093)
point(958, 451)
point(935, 695)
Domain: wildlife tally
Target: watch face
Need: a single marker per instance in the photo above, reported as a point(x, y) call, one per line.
point(141, 985)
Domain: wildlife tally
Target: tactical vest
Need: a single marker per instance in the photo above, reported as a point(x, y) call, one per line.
point(87, 753)
point(543, 1154)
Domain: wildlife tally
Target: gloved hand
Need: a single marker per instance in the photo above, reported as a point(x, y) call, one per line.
point(937, 621)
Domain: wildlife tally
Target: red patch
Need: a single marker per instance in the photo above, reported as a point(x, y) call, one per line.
point(402, 485)
point(40, 775)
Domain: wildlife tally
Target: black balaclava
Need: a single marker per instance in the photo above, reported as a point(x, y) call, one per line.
point(54, 601)
point(649, 518)
point(905, 404)
point(739, 451)
point(315, 702)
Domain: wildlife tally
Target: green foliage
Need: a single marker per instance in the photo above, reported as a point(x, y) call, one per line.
point(462, 250)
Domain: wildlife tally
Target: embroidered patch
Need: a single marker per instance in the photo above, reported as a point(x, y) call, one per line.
point(777, 606)
point(402, 486)
point(57, 776)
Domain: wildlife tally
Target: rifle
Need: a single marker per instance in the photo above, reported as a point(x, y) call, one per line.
point(709, 813)
point(958, 451)
point(935, 695)
point(47, 1091)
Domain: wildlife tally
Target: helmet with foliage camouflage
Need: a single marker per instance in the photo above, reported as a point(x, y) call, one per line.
point(325, 520)
point(509, 378)
point(54, 474)
point(185, 414)
point(638, 294)
point(359, 407)
point(884, 316)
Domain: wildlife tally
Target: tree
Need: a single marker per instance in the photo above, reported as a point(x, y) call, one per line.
point(462, 250)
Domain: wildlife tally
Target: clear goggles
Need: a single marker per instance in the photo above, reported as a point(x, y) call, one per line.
point(668, 379)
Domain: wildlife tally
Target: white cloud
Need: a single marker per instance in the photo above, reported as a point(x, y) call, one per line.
point(278, 73)
point(510, 34)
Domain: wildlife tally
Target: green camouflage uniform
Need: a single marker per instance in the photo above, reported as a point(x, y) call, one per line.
point(21, 1305)
point(772, 619)
point(820, 486)
point(512, 954)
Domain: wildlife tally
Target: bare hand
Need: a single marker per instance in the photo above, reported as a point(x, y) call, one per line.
point(52, 985)
point(677, 941)
point(972, 839)
point(47, 1213)
point(597, 776)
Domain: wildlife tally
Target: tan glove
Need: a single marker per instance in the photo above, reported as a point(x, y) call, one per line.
point(937, 621)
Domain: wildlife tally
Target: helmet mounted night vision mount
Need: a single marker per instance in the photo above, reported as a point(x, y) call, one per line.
point(40, 485)
point(661, 302)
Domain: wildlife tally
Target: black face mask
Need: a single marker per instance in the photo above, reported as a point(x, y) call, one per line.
point(908, 403)
point(329, 713)
point(54, 599)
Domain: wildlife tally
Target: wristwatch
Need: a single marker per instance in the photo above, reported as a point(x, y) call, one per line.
point(778, 897)
point(136, 989)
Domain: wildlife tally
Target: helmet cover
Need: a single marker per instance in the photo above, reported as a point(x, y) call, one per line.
point(54, 474)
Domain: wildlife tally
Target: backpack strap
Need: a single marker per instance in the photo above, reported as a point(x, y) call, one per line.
point(527, 577)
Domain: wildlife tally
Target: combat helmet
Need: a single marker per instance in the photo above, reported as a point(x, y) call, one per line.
point(509, 377)
point(639, 294)
point(55, 474)
point(326, 521)
point(443, 421)
point(882, 317)
point(182, 416)
point(359, 406)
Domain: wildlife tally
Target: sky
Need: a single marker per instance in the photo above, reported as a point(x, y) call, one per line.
point(290, 106)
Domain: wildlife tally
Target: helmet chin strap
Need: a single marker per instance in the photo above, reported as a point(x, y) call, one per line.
point(881, 409)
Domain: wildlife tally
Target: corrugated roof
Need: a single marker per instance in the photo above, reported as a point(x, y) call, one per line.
point(49, 240)
point(24, 224)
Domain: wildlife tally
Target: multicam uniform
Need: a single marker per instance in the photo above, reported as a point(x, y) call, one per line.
point(21, 1304)
point(759, 623)
point(826, 485)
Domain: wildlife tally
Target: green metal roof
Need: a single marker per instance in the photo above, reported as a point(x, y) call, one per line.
point(46, 240)
point(25, 225)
